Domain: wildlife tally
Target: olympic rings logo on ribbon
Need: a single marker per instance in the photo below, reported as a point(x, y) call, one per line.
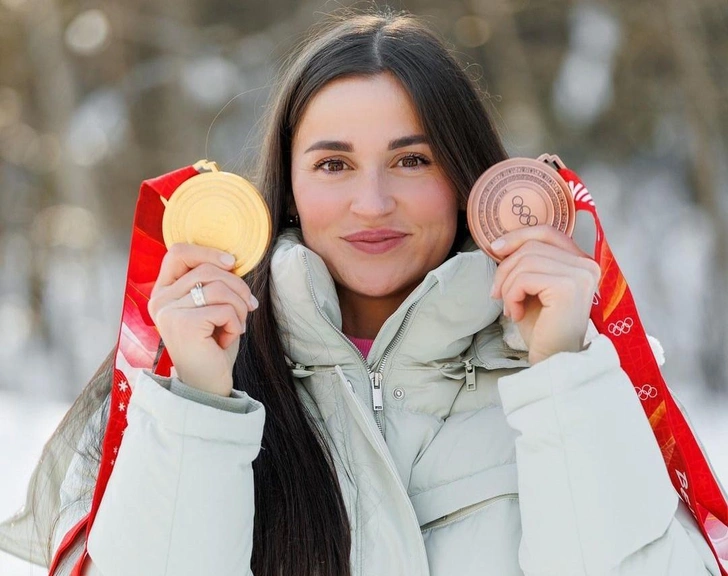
point(523, 212)
point(647, 391)
point(621, 326)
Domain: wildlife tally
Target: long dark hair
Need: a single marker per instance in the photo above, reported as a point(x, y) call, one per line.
point(301, 524)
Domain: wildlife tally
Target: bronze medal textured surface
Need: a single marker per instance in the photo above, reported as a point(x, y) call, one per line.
point(220, 210)
point(517, 193)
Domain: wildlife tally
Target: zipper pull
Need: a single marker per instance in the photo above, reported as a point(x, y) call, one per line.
point(469, 376)
point(299, 370)
point(377, 398)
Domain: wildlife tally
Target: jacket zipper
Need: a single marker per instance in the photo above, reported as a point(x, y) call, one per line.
point(330, 323)
point(375, 376)
point(379, 441)
point(465, 512)
point(470, 382)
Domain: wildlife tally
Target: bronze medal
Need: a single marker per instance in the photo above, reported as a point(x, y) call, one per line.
point(516, 193)
point(220, 210)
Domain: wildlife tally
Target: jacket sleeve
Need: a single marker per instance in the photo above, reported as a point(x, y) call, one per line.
point(180, 497)
point(595, 496)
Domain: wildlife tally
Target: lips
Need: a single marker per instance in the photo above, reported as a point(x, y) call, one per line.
point(375, 241)
point(374, 235)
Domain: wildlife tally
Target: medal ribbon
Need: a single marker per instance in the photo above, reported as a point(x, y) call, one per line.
point(615, 315)
point(613, 312)
point(139, 344)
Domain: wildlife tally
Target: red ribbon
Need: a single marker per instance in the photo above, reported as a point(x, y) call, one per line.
point(613, 312)
point(615, 315)
point(138, 345)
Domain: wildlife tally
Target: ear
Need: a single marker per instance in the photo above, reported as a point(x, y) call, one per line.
point(292, 215)
point(292, 210)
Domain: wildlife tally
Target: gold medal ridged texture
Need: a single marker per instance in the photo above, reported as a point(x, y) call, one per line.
point(220, 210)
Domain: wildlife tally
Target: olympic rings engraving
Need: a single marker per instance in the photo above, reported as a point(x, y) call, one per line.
point(519, 208)
point(646, 392)
point(621, 326)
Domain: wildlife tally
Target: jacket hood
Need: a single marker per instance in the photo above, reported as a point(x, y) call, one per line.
point(446, 309)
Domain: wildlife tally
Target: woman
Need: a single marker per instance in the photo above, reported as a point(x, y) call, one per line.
point(364, 414)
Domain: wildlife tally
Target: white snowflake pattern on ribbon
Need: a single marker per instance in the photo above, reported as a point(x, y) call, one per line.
point(580, 193)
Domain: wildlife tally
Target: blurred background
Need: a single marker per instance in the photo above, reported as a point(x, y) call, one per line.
point(96, 96)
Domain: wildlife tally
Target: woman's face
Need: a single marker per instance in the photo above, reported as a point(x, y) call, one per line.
point(371, 199)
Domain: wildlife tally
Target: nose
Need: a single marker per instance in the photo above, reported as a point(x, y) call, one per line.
point(372, 196)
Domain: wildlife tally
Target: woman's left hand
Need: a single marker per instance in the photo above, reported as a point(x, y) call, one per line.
point(547, 284)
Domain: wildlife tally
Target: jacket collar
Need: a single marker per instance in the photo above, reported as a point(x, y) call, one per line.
point(440, 317)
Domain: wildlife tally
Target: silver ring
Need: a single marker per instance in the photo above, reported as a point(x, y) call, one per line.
point(197, 296)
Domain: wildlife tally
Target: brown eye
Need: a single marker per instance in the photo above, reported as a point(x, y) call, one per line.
point(335, 165)
point(330, 165)
point(410, 162)
point(414, 161)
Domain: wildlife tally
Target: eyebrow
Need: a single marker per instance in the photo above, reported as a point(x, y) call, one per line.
point(340, 146)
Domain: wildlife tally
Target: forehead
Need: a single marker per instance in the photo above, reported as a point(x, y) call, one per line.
point(365, 109)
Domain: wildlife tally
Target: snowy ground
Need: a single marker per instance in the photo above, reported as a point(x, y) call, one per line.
point(25, 426)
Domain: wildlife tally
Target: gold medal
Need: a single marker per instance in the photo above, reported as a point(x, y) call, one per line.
point(517, 193)
point(219, 210)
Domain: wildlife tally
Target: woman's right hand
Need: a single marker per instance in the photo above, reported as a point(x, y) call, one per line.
point(202, 341)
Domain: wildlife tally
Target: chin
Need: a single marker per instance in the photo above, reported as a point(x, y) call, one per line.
point(382, 286)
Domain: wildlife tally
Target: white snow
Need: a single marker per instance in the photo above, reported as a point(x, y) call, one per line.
point(25, 425)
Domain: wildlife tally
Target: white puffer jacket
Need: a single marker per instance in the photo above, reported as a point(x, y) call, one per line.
point(471, 464)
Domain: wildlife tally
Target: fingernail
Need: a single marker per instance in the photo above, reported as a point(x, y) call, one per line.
point(492, 290)
point(227, 259)
point(254, 302)
point(498, 244)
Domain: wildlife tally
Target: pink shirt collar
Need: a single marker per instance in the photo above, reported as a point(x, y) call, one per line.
point(363, 344)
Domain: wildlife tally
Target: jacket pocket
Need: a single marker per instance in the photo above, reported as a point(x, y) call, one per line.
point(467, 511)
point(453, 497)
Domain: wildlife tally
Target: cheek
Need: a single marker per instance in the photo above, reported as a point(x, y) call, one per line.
point(317, 211)
point(436, 206)
point(439, 214)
